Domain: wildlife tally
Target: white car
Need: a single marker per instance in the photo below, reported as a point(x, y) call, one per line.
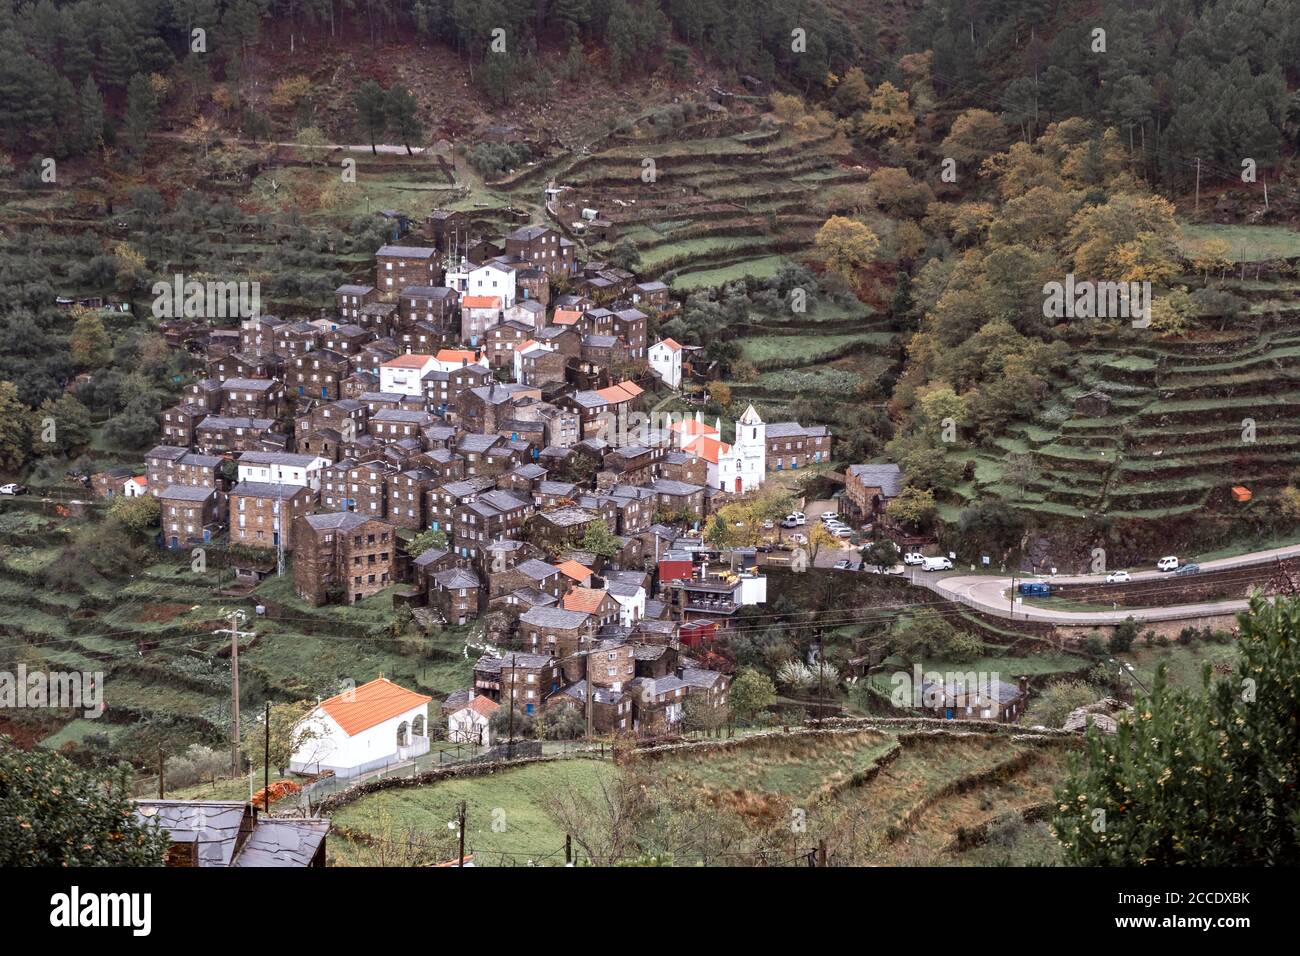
point(914, 557)
point(1167, 563)
point(798, 539)
point(937, 564)
point(842, 532)
point(1118, 577)
point(830, 515)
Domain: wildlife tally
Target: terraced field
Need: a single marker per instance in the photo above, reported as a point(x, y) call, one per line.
point(1187, 420)
point(724, 196)
point(875, 796)
point(152, 636)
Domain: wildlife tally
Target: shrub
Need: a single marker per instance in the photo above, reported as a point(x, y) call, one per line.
point(1125, 634)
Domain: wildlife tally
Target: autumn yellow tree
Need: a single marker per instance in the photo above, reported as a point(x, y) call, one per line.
point(888, 115)
point(974, 135)
point(846, 245)
point(90, 343)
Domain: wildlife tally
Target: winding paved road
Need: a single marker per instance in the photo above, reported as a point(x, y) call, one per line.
point(990, 594)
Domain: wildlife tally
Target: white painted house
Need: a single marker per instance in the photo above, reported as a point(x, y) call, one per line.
point(277, 467)
point(363, 729)
point(666, 362)
point(403, 375)
point(472, 724)
point(631, 601)
point(491, 278)
point(525, 349)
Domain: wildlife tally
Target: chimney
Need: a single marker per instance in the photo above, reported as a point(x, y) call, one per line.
point(1023, 683)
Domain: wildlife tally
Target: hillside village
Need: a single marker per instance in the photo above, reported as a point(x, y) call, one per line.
point(461, 398)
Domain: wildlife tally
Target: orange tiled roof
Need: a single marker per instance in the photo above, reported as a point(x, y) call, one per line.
point(622, 392)
point(566, 317)
point(481, 302)
point(408, 361)
point(691, 427)
point(575, 570)
point(583, 599)
point(483, 706)
point(371, 704)
point(710, 449)
point(456, 355)
point(672, 344)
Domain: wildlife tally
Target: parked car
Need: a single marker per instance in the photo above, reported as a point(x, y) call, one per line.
point(1118, 577)
point(843, 565)
point(798, 539)
point(830, 515)
point(1168, 563)
point(914, 557)
point(936, 564)
point(1189, 569)
point(842, 532)
point(768, 526)
point(793, 520)
point(12, 489)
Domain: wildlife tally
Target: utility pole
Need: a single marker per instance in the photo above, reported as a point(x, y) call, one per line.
point(279, 527)
point(266, 754)
point(1198, 185)
point(568, 849)
point(236, 618)
point(591, 694)
point(510, 715)
point(460, 861)
point(161, 785)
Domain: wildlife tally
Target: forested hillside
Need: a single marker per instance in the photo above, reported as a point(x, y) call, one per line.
point(920, 167)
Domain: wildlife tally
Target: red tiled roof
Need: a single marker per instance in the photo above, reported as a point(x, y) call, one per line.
point(408, 361)
point(483, 706)
point(456, 355)
point(371, 704)
point(583, 599)
point(708, 448)
point(575, 569)
point(481, 302)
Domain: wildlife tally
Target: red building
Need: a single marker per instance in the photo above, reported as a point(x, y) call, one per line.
point(697, 633)
point(675, 566)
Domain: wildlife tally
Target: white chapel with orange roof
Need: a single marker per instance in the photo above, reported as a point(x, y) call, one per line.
point(363, 729)
point(737, 467)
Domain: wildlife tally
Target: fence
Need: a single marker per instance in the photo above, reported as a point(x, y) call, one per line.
point(443, 754)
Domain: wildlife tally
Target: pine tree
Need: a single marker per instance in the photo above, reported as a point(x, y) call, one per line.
point(141, 109)
point(401, 108)
point(116, 58)
point(372, 112)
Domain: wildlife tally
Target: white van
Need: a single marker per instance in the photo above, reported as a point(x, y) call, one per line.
point(1169, 563)
point(937, 564)
point(914, 557)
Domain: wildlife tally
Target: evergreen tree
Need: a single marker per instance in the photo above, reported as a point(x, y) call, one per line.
point(402, 116)
point(372, 112)
point(116, 58)
point(141, 110)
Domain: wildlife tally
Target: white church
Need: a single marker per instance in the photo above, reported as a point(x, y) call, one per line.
point(738, 467)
